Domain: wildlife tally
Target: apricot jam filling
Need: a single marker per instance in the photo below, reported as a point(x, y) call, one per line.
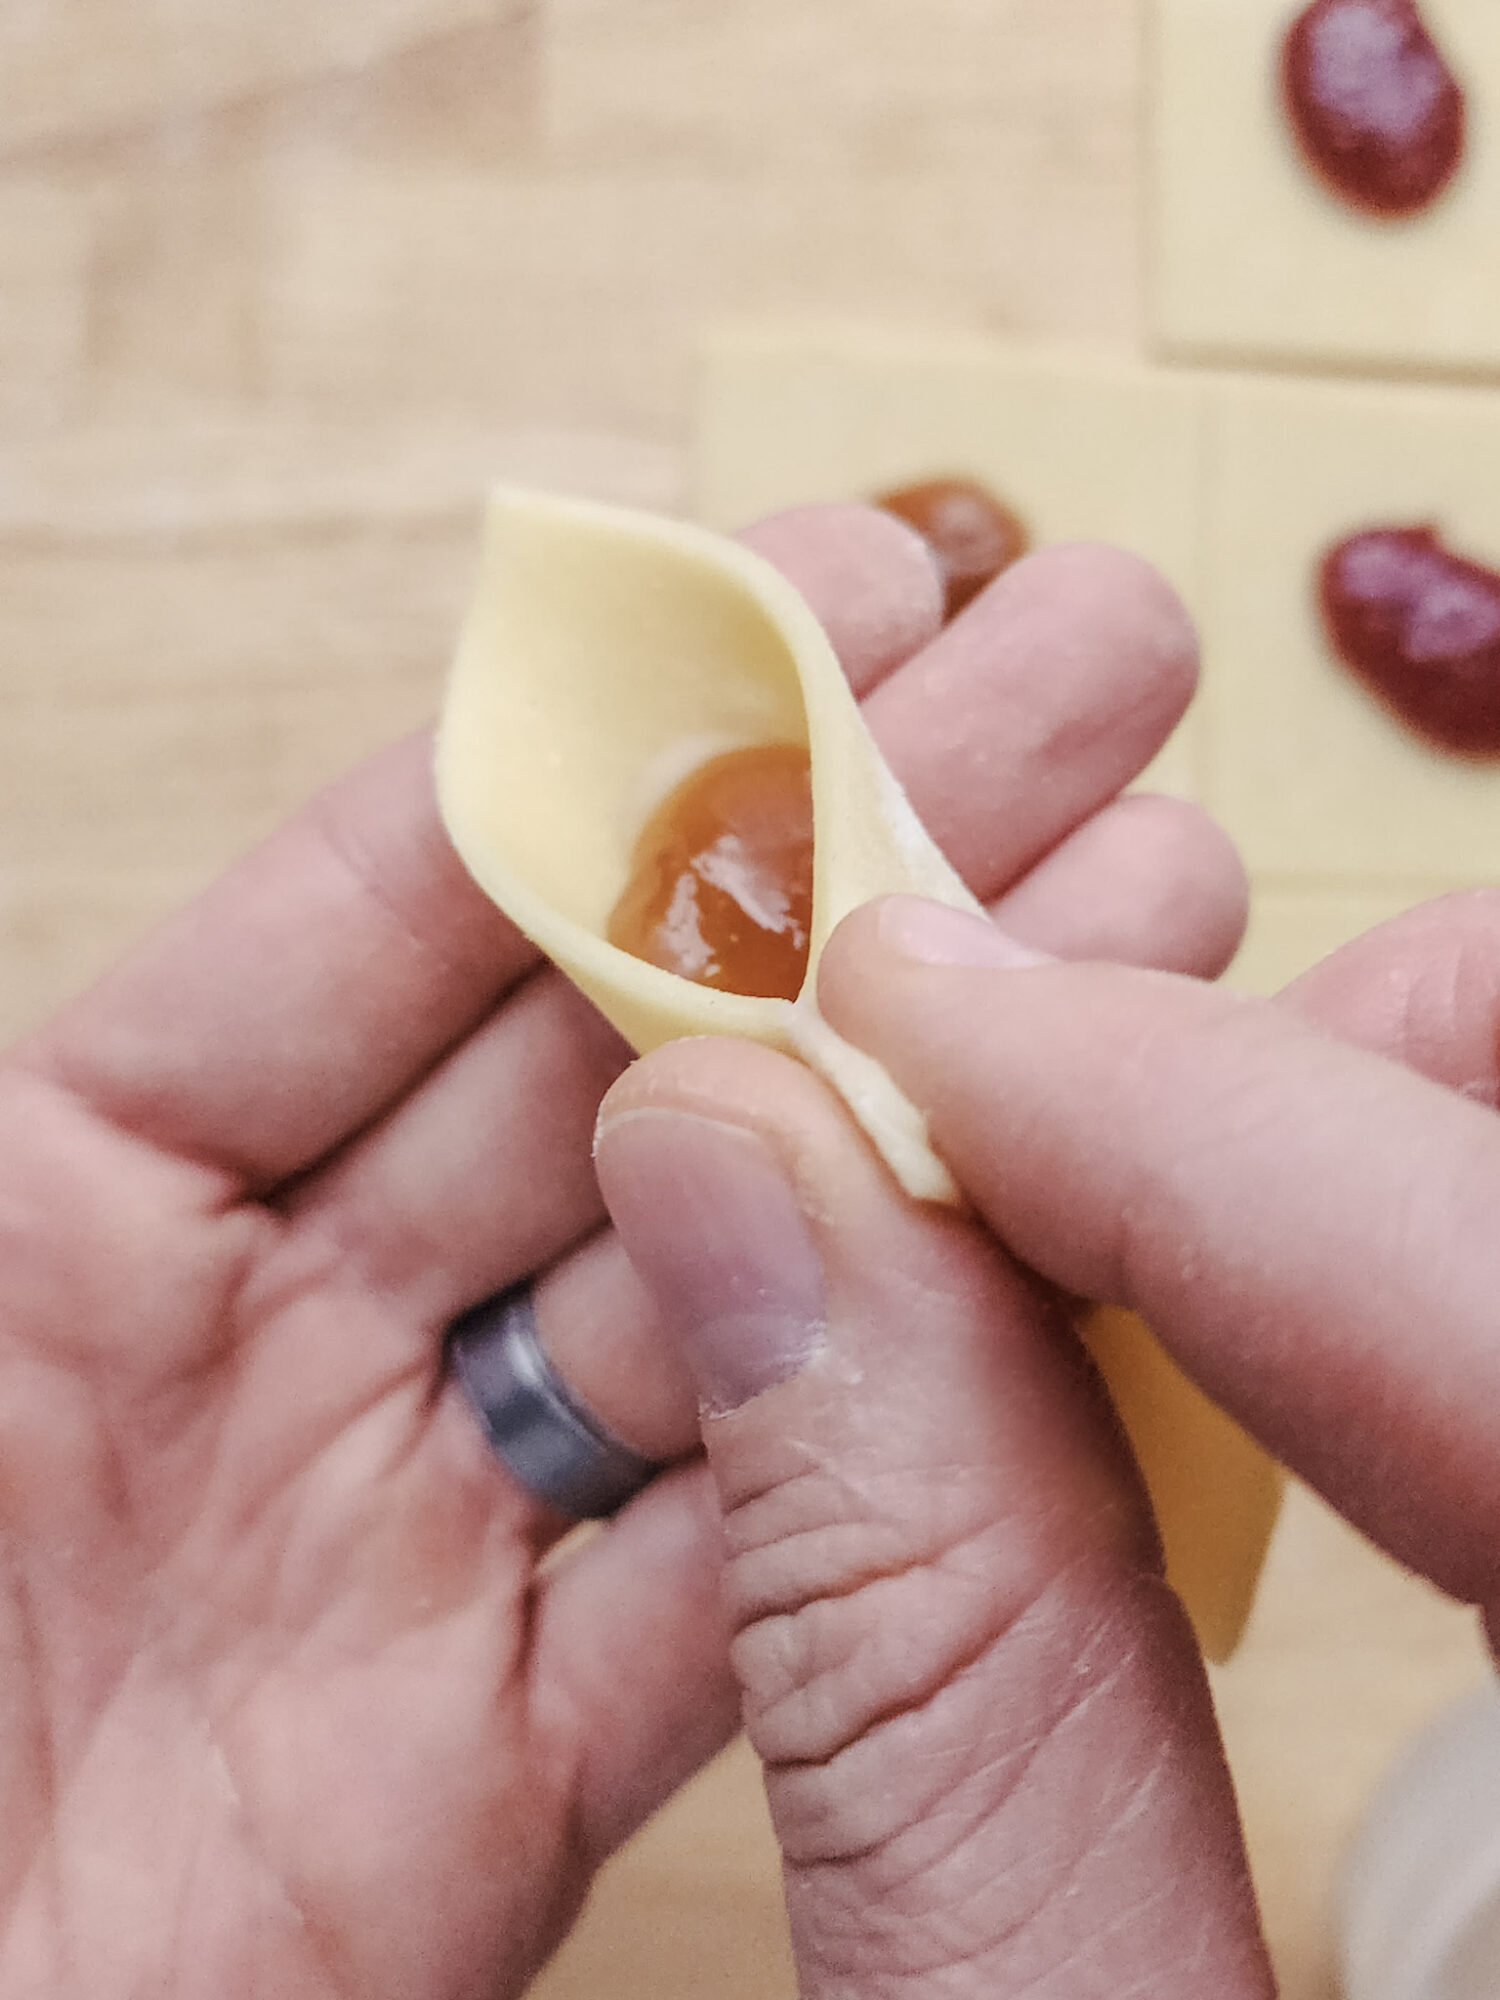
point(720, 886)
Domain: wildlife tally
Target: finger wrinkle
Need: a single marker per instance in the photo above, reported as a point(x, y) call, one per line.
point(979, 1867)
point(862, 1618)
point(844, 1809)
point(822, 1672)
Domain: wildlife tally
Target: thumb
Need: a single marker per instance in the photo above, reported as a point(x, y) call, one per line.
point(990, 1754)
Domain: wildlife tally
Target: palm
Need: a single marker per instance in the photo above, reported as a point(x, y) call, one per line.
point(285, 1699)
point(290, 1705)
point(284, 1660)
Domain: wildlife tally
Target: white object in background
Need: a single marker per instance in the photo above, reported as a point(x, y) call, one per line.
point(1419, 1914)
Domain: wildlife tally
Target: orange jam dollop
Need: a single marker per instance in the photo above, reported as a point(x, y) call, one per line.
point(720, 888)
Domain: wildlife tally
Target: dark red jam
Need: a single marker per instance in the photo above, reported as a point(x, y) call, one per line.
point(1377, 110)
point(1421, 628)
point(720, 889)
point(973, 535)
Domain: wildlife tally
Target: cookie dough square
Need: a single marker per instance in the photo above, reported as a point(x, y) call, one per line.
point(1310, 774)
point(1253, 256)
point(1081, 448)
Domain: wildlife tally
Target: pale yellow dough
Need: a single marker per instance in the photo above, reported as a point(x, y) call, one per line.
point(607, 654)
point(1215, 1492)
point(1251, 256)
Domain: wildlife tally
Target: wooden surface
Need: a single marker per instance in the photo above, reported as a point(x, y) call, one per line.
point(283, 284)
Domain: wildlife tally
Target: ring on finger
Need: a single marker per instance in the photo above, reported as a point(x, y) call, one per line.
point(544, 1434)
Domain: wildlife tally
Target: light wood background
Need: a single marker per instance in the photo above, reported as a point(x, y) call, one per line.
point(283, 284)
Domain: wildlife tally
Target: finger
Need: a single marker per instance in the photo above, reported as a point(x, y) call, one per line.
point(303, 992)
point(869, 579)
point(600, 1329)
point(1053, 690)
point(474, 1225)
point(1423, 989)
point(1146, 881)
point(631, 1657)
point(482, 1174)
point(1308, 1228)
point(989, 1747)
point(315, 983)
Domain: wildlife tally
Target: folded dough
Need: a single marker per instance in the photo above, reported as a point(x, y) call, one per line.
point(608, 654)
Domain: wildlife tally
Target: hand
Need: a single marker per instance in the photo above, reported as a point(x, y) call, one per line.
point(292, 1705)
point(990, 1755)
point(1299, 1195)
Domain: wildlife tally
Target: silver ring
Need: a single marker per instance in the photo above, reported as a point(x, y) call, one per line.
point(551, 1441)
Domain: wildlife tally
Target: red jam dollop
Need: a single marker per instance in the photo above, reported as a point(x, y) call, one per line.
point(973, 535)
point(720, 888)
point(1420, 627)
point(1376, 108)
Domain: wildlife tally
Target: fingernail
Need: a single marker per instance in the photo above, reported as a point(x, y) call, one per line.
point(936, 934)
point(712, 1226)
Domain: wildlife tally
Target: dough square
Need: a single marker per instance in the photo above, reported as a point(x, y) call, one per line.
point(1252, 256)
point(1083, 448)
point(1308, 772)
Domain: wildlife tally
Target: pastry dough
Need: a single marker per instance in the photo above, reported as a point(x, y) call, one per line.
point(1251, 255)
point(607, 654)
point(1215, 1493)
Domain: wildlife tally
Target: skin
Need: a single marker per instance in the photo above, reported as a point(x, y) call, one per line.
point(298, 1699)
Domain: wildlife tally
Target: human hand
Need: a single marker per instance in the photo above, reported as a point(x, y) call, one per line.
point(1300, 1195)
point(989, 1750)
point(986, 1731)
point(294, 1704)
